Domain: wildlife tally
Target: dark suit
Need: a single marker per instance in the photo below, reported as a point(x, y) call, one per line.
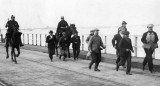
point(51, 45)
point(124, 44)
point(148, 58)
point(115, 42)
point(76, 42)
point(61, 24)
point(64, 43)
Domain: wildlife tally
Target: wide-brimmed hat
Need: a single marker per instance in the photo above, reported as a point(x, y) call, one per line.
point(124, 22)
point(125, 32)
point(50, 31)
point(96, 29)
point(150, 25)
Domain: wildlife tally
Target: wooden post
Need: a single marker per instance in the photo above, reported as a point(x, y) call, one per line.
point(105, 42)
point(40, 40)
point(23, 39)
point(2, 38)
point(32, 39)
point(82, 42)
point(45, 39)
point(28, 38)
point(36, 39)
point(135, 47)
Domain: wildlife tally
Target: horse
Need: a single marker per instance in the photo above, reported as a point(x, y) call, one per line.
point(13, 41)
point(70, 30)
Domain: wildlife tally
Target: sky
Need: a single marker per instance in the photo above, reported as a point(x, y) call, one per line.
point(83, 13)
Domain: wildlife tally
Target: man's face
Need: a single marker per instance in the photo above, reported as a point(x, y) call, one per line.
point(91, 32)
point(51, 34)
point(150, 28)
point(12, 18)
point(96, 32)
point(124, 25)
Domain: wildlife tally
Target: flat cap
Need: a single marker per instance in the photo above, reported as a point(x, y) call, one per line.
point(124, 22)
point(125, 33)
point(50, 31)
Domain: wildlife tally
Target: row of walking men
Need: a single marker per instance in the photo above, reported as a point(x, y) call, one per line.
point(121, 42)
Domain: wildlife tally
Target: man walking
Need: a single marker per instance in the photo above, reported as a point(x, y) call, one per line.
point(115, 42)
point(125, 46)
point(63, 44)
point(51, 40)
point(95, 45)
point(76, 42)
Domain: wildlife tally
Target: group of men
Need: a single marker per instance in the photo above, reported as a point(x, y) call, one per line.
point(62, 40)
point(123, 45)
point(121, 42)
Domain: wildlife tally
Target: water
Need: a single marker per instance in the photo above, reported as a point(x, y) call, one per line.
point(109, 32)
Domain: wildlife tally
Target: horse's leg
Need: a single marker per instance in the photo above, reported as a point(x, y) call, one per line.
point(7, 51)
point(18, 49)
point(12, 54)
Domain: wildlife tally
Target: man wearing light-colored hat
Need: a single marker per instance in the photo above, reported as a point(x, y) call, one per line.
point(94, 45)
point(149, 40)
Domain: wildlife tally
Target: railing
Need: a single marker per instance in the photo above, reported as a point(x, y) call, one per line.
point(39, 40)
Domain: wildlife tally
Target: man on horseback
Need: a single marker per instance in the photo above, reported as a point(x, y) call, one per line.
point(12, 31)
point(62, 25)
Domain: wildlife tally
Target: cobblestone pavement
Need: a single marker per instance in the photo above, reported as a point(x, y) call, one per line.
point(35, 69)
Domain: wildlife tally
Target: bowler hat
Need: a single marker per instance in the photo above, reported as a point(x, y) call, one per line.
point(50, 31)
point(124, 22)
point(125, 33)
point(96, 29)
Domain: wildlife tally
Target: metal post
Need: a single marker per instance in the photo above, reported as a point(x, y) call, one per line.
point(32, 39)
point(23, 39)
point(40, 40)
point(105, 41)
point(36, 39)
point(82, 42)
point(135, 47)
point(28, 38)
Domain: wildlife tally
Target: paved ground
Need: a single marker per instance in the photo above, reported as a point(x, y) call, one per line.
point(35, 69)
point(108, 58)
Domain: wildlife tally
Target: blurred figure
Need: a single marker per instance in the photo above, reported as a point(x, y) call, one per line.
point(13, 27)
point(87, 40)
point(95, 44)
point(76, 43)
point(115, 42)
point(125, 46)
point(123, 27)
point(62, 25)
point(63, 44)
point(149, 40)
point(51, 40)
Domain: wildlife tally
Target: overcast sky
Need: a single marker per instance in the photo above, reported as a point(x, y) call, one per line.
point(84, 13)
